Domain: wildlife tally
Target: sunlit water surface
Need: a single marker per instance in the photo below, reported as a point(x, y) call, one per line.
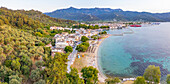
point(130, 54)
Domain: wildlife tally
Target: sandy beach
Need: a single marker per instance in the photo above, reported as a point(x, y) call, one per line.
point(101, 76)
point(91, 59)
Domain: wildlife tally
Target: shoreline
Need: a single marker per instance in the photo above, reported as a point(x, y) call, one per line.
point(91, 59)
point(101, 76)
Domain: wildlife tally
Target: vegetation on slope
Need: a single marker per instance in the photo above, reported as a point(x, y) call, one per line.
point(24, 57)
point(18, 51)
point(32, 21)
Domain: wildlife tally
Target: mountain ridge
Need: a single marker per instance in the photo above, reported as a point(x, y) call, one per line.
point(107, 14)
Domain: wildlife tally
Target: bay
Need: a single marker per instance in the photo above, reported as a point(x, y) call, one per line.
point(129, 55)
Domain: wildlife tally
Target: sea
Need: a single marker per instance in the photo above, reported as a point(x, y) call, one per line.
point(131, 50)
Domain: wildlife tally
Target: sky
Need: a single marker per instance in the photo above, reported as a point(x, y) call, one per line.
point(154, 6)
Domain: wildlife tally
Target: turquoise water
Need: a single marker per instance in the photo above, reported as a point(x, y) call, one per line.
point(130, 54)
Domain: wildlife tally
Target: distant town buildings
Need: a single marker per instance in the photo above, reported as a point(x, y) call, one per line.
point(66, 39)
point(59, 28)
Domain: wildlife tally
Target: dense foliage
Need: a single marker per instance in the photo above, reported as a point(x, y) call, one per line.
point(24, 57)
point(112, 81)
point(140, 80)
point(82, 47)
point(104, 27)
point(68, 49)
point(32, 21)
point(90, 75)
point(103, 32)
point(18, 51)
point(55, 71)
point(74, 78)
point(29, 19)
point(94, 37)
point(168, 79)
point(84, 38)
point(152, 74)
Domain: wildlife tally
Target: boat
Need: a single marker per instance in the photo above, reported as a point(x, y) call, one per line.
point(135, 25)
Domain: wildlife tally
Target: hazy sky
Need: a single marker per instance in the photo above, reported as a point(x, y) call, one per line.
point(51, 5)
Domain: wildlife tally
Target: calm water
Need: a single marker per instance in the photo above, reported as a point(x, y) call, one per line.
point(129, 55)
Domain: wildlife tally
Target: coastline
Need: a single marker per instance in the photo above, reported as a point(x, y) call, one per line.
point(90, 59)
point(101, 76)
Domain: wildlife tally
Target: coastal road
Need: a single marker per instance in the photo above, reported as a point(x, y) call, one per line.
point(72, 57)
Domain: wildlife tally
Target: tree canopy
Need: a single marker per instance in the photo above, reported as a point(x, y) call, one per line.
point(168, 79)
point(84, 38)
point(86, 26)
point(140, 80)
point(112, 81)
point(90, 75)
point(68, 49)
point(40, 82)
point(152, 74)
point(103, 32)
point(74, 78)
point(82, 47)
point(35, 75)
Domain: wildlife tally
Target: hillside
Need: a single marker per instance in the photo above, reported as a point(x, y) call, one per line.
point(34, 22)
point(29, 19)
point(23, 36)
point(107, 14)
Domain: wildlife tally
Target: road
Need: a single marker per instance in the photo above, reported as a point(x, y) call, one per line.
point(72, 57)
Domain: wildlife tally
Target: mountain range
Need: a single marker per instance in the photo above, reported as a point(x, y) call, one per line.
point(107, 14)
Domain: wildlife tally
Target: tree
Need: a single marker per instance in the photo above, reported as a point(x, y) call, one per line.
point(40, 82)
point(84, 38)
point(104, 32)
point(168, 79)
point(53, 42)
point(90, 74)
point(82, 47)
point(38, 34)
point(68, 49)
point(3, 82)
point(39, 63)
point(15, 64)
point(1, 50)
point(96, 27)
point(140, 80)
point(47, 50)
point(1, 22)
point(2, 58)
point(25, 60)
point(74, 78)
point(86, 44)
point(25, 70)
point(56, 68)
point(7, 63)
point(14, 81)
point(5, 72)
point(112, 81)
point(35, 75)
point(152, 74)
point(20, 23)
point(41, 44)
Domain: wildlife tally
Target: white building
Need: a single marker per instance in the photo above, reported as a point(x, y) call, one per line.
point(57, 28)
point(61, 44)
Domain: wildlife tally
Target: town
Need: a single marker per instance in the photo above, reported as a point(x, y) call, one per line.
point(81, 29)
